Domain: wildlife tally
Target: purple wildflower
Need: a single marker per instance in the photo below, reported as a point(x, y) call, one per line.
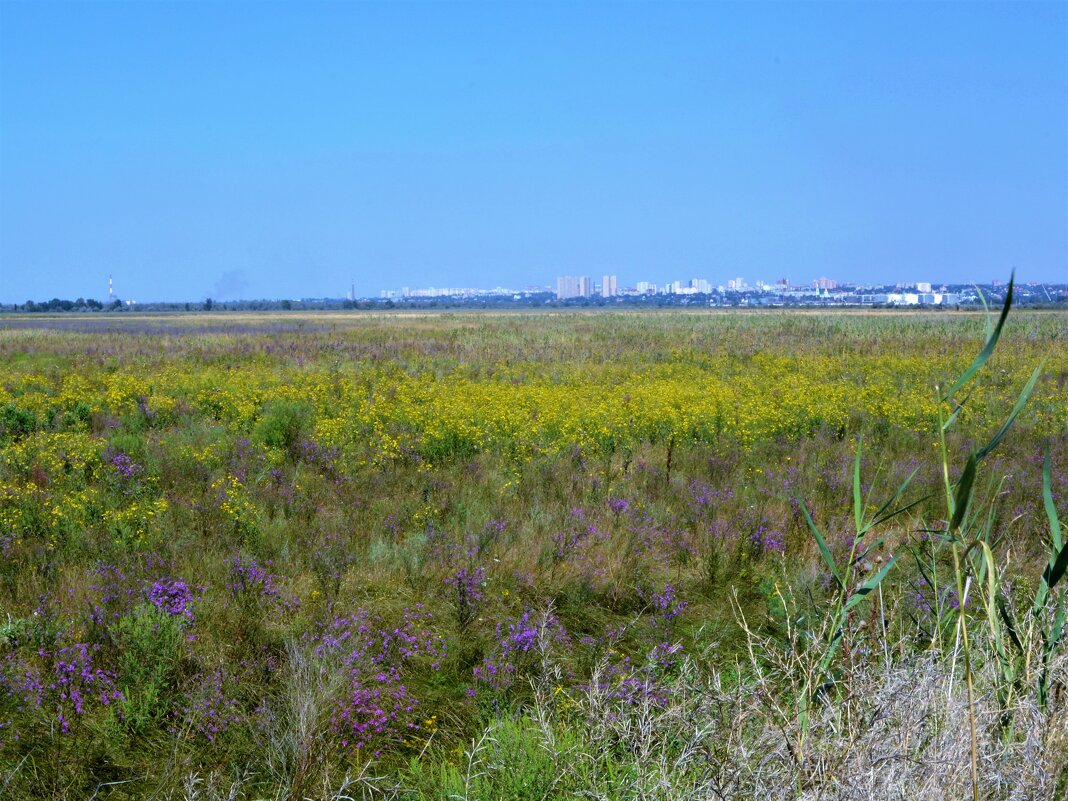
point(172, 597)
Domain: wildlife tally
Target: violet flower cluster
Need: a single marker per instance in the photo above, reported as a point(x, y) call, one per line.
point(173, 597)
point(67, 683)
point(518, 645)
point(377, 706)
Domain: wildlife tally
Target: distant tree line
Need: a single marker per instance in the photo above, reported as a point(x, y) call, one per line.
point(83, 305)
point(61, 305)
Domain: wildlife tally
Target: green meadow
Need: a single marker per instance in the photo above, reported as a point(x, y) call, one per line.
point(663, 555)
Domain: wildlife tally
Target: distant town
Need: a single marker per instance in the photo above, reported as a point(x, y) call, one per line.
point(823, 291)
point(585, 291)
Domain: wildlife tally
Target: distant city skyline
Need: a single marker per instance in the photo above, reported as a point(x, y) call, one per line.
point(291, 150)
point(568, 287)
point(563, 287)
point(822, 292)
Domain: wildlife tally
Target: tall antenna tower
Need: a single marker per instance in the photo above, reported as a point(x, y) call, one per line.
point(111, 289)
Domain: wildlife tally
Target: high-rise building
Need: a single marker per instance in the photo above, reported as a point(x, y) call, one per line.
point(609, 286)
point(645, 288)
point(569, 286)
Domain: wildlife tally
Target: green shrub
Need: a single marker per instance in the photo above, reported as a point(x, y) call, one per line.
point(511, 762)
point(283, 424)
point(133, 445)
point(16, 423)
point(77, 418)
point(149, 642)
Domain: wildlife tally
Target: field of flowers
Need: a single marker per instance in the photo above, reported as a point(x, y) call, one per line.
point(527, 555)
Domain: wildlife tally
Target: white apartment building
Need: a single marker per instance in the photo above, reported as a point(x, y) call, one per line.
point(570, 286)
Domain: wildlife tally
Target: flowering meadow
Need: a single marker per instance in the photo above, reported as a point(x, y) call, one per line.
point(533, 555)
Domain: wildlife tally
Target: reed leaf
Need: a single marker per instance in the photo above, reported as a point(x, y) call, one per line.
point(987, 351)
point(1016, 409)
point(858, 501)
point(1054, 571)
point(869, 585)
point(1047, 500)
point(963, 494)
point(825, 552)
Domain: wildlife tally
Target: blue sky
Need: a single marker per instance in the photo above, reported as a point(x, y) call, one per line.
point(254, 149)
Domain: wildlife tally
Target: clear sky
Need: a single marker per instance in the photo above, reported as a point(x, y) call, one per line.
point(253, 149)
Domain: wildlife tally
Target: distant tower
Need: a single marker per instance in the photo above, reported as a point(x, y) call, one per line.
point(111, 289)
point(352, 291)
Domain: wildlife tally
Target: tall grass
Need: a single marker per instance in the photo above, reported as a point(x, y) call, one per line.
point(256, 562)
